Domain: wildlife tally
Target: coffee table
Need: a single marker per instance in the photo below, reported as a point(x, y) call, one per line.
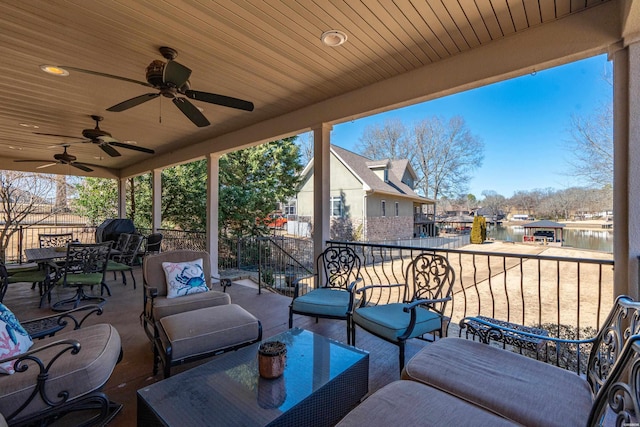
point(323, 380)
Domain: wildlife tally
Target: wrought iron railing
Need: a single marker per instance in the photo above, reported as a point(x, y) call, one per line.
point(533, 290)
point(27, 237)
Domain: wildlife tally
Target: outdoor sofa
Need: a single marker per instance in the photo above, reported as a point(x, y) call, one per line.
point(462, 382)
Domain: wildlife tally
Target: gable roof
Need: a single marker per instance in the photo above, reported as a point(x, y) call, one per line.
point(360, 167)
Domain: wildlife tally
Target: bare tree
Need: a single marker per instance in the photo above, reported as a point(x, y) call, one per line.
point(592, 147)
point(388, 140)
point(445, 154)
point(494, 204)
point(305, 142)
point(21, 195)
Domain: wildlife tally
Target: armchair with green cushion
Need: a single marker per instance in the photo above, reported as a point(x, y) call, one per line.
point(399, 312)
point(85, 265)
point(337, 272)
point(126, 258)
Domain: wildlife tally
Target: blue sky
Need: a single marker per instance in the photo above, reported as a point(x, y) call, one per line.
point(524, 124)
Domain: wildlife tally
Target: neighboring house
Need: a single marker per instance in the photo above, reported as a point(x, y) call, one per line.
point(370, 200)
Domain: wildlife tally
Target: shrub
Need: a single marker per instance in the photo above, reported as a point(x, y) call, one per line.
point(479, 230)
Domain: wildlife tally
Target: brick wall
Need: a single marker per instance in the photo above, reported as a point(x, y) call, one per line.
point(395, 227)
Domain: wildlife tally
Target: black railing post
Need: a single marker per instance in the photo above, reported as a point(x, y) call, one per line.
point(20, 243)
point(259, 266)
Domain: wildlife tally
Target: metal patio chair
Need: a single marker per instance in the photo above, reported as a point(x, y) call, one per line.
point(329, 296)
point(399, 312)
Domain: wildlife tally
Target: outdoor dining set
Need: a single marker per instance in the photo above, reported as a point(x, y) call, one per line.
point(62, 261)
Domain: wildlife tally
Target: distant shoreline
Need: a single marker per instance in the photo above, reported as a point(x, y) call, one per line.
point(586, 225)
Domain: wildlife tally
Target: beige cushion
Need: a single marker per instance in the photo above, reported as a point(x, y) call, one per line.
point(163, 306)
point(519, 388)
point(214, 328)
point(78, 374)
point(408, 403)
point(154, 274)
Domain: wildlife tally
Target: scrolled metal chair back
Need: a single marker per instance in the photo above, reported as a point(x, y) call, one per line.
point(87, 258)
point(429, 276)
point(340, 266)
point(54, 240)
point(622, 322)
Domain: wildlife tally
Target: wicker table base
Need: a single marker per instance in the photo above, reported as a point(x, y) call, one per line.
point(322, 381)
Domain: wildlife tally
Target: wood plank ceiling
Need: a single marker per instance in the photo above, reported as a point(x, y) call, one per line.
point(265, 51)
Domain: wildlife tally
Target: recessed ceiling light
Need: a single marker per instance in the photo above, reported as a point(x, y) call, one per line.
point(333, 38)
point(56, 71)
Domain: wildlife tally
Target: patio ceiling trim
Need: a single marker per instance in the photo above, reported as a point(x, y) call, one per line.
point(575, 37)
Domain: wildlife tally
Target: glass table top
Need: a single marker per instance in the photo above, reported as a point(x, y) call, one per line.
point(230, 387)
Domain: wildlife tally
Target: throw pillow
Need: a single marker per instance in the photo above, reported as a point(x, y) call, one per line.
point(14, 340)
point(184, 278)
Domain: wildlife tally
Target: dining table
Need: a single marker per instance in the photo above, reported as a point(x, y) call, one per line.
point(47, 258)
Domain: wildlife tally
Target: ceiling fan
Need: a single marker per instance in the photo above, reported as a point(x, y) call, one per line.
point(103, 138)
point(63, 158)
point(171, 79)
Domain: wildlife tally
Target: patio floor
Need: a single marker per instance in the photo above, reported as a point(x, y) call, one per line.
point(123, 309)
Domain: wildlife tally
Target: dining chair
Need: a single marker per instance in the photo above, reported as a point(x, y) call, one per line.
point(85, 265)
point(399, 312)
point(153, 243)
point(49, 240)
point(327, 293)
point(125, 260)
point(54, 240)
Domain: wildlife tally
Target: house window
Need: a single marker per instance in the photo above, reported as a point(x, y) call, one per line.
point(397, 209)
point(384, 208)
point(337, 207)
point(290, 208)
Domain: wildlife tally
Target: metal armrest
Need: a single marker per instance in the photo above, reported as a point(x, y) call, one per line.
point(50, 325)
point(30, 361)
point(412, 305)
point(150, 291)
point(495, 331)
point(365, 288)
point(296, 284)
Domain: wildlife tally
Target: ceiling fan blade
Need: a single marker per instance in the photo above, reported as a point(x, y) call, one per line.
point(32, 161)
point(110, 76)
point(109, 149)
point(129, 103)
point(191, 111)
point(81, 166)
point(56, 135)
point(47, 165)
point(225, 101)
point(132, 147)
point(175, 73)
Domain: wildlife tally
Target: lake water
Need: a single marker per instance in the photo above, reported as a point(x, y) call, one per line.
point(598, 240)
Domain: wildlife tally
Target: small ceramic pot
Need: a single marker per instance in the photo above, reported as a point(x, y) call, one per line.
point(272, 356)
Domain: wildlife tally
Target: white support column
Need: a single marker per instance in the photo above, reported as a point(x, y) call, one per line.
point(122, 198)
point(213, 169)
point(321, 186)
point(626, 187)
point(156, 200)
